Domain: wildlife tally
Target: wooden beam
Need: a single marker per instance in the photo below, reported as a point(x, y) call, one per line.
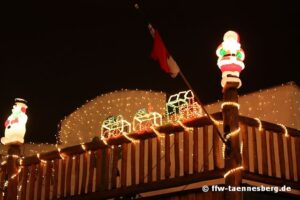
point(270, 180)
point(133, 160)
point(91, 171)
point(77, 170)
point(69, 176)
point(186, 153)
point(281, 156)
point(244, 131)
point(55, 179)
point(233, 158)
point(167, 157)
point(176, 155)
point(24, 183)
point(272, 154)
point(48, 180)
point(254, 148)
point(146, 187)
point(124, 165)
point(195, 151)
point(158, 159)
point(12, 169)
point(264, 150)
point(149, 173)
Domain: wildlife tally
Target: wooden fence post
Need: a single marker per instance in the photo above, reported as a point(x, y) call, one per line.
point(231, 123)
point(14, 152)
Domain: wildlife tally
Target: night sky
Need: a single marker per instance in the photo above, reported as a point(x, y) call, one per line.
point(59, 54)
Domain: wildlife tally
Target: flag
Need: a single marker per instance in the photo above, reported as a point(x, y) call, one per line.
point(160, 53)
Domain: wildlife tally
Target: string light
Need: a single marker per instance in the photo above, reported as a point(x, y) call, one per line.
point(126, 135)
point(232, 171)
point(241, 148)
point(15, 156)
point(83, 124)
point(83, 146)
point(216, 122)
point(285, 131)
point(259, 124)
point(235, 132)
point(223, 150)
point(230, 103)
point(157, 132)
point(43, 161)
point(184, 127)
point(16, 174)
point(227, 137)
point(104, 141)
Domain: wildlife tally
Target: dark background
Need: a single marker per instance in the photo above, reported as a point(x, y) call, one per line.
point(58, 54)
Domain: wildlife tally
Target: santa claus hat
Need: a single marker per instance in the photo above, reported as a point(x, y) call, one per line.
point(20, 100)
point(231, 35)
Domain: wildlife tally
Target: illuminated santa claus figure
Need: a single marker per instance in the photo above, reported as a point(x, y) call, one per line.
point(231, 57)
point(15, 125)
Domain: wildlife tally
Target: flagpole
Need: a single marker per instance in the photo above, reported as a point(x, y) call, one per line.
point(151, 29)
point(187, 83)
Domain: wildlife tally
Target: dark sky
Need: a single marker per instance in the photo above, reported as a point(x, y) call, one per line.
point(58, 54)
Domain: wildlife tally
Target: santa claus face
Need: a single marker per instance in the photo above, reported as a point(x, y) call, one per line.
point(231, 45)
point(231, 41)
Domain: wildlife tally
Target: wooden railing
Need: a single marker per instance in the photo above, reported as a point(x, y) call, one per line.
point(95, 170)
point(269, 154)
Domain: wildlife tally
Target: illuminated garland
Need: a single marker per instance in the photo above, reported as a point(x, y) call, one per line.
point(157, 132)
point(232, 133)
point(230, 103)
point(259, 124)
point(184, 127)
point(286, 133)
point(126, 135)
point(232, 171)
point(235, 132)
point(241, 148)
point(216, 122)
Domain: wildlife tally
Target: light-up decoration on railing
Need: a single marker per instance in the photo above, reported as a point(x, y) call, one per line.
point(231, 171)
point(259, 124)
point(182, 106)
point(191, 109)
point(231, 57)
point(173, 105)
point(285, 131)
point(230, 103)
point(144, 120)
point(15, 125)
point(114, 127)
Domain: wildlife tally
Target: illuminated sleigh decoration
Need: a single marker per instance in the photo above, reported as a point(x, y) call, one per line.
point(144, 120)
point(182, 106)
point(114, 127)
